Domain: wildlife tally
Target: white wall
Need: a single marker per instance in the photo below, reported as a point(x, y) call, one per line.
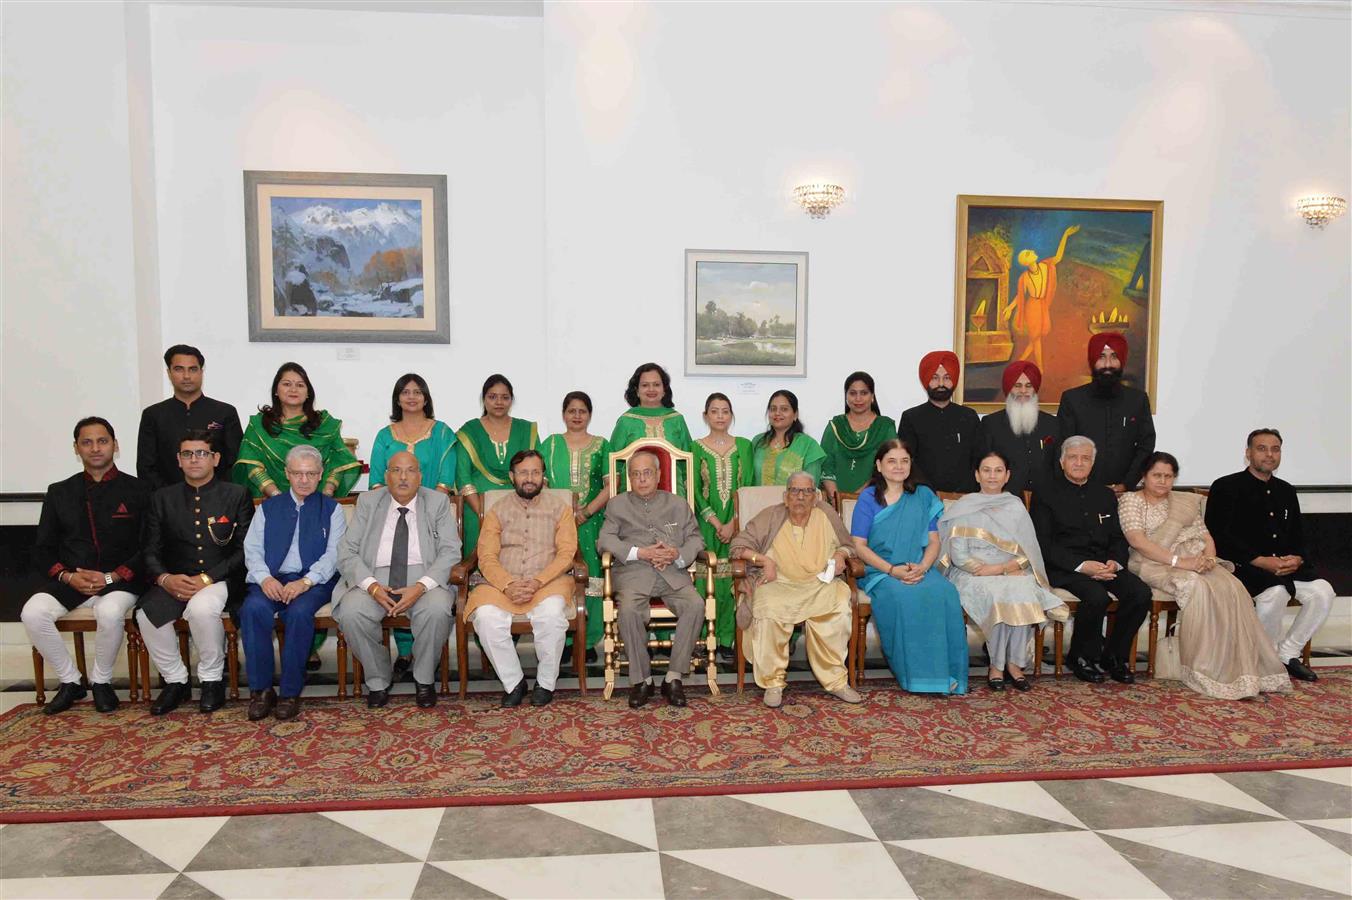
point(586, 150)
point(673, 126)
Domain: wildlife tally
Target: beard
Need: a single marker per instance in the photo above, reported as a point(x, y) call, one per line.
point(1107, 382)
point(528, 490)
point(940, 394)
point(1022, 414)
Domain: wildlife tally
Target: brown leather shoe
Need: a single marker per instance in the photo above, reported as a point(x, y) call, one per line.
point(288, 708)
point(674, 691)
point(260, 705)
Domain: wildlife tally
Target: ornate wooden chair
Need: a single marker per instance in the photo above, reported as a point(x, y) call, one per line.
point(669, 459)
point(749, 502)
point(468, 573)
point(77, 623)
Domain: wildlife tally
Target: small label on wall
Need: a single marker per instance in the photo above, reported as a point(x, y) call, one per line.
point(349, 353)
point(746, 387)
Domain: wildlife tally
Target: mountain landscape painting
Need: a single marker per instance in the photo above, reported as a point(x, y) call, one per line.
point(342, 256)
point(346, 257)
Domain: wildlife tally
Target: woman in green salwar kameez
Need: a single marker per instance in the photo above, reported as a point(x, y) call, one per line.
point(485, 450)
point(785, 448)
point(577, 460)
point(651, 414)
point(722, 465)
point(290, 421)
point(852, 438)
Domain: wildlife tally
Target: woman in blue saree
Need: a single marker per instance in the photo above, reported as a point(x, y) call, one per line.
point(916, 610)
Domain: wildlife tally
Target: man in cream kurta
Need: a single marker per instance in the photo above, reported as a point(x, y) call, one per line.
point(802, 548)
point(526, 548)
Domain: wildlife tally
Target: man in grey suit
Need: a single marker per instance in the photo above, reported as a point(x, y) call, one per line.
point(653, 538)
point(396, 557)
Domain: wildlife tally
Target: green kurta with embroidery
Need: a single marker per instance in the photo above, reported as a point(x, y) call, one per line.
point(774, 465)
point(849, 453)
point(435, 451)
point(262, 455)
point(583, 472)
point(482, 464)
point(717, 479)
point(652, 422)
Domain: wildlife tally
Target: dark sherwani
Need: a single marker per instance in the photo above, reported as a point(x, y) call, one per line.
point(192, 531)
point(946, 442)
point(87, 524)
point(1030, 455)
point(1248, 518)
point(162, 426)
point(1121, 427)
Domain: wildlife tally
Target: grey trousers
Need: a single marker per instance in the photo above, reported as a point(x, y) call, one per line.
point(1008, 645)
point(359, 616)
point(634, 613)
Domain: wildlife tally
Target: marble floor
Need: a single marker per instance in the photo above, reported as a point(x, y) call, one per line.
point(1284, 834)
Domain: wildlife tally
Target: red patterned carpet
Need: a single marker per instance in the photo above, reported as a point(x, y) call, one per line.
point(340, 755)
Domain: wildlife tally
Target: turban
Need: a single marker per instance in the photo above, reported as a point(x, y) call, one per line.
point(931, 361)
point(1116, 341)
point(1022, 367)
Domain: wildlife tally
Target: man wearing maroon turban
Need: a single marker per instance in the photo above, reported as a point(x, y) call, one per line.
point(944, 436)
point(1022, 433)
point(1111, 414)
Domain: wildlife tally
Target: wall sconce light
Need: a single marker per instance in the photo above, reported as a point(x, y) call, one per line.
point(1320, 210)
point(818, 199)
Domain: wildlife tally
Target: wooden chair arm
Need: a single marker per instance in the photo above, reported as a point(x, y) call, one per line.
point(461, 571)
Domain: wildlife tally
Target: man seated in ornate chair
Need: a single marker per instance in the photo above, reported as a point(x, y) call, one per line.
point(526, 549)
point(649, 538)
point(802, 549)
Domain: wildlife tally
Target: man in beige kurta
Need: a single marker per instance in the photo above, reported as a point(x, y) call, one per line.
point(526, 548)
point(802, 548)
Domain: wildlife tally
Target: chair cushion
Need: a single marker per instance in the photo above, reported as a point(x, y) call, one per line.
point(325, 611)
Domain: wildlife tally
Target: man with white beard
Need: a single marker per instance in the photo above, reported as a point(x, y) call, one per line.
point(1022, 433)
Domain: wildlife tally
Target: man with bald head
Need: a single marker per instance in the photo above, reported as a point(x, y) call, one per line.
point(397, 558)
point(943, 436)
point(1021, 432)
point(1111, 414)
point(652, 538)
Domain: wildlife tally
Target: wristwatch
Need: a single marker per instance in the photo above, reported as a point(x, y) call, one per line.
point(206, 579)
point(307, 582)
point(107, 578)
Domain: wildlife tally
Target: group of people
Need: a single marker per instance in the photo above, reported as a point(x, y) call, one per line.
point(244, 520)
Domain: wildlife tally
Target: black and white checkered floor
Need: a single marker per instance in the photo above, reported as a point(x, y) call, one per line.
point(1255, 834)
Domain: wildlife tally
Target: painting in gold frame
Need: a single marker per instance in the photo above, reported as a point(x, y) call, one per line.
point(1037, 277)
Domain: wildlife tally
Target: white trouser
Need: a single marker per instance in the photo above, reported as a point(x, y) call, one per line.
point(39, 620)
point(203, 613)
point(549, 627)
point(1315, 598)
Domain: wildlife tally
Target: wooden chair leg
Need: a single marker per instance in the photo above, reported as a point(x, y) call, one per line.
point(357, 677)
point(462, 655)
point(1152, 643)
point(1305, 652)
point(1132, 664)
point(1038, 633)
point(39, 688)
point(580, 653)
point(133, 683)
point(738, 651)
point(342, 666)
point(80, 662)
point(446, 670)
point(143, 660)
point(1058, 640)
point(232, 661)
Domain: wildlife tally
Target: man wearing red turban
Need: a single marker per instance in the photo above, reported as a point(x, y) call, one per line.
point(944, 436)
point(1114, 416)
point(1021, 432)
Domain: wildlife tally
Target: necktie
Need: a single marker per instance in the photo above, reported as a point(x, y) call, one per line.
point(399, 551)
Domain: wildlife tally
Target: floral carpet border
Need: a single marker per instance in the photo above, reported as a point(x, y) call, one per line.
point(82, 766)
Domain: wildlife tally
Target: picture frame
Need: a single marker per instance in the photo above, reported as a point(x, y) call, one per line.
point(346, 257)
point(1036, 277)
point(746, 313)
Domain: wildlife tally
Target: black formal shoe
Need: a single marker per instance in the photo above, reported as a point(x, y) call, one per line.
point(425, 695)
point(674, 691)
point(539, 696)
point(515, 695)
point(727, 655)
point(69, 692)
point(173, 694)
point(995, 684)
point(261, 705)
point(213, 696)
point(639, 694)
point(288, 708)
point(1294, 667)
point(105, 698)
point(1020, 684)
point(1086, 671)
point(314, 663)
point(402, 664)
point(377, 699)
point(1117, 670)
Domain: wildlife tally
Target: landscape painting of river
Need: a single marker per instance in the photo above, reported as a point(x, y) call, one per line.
point(745, 312)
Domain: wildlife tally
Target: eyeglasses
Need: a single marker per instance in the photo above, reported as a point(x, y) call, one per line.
point(410, 392)
point(194, 454)
point(800, 492)
point(296, 476)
